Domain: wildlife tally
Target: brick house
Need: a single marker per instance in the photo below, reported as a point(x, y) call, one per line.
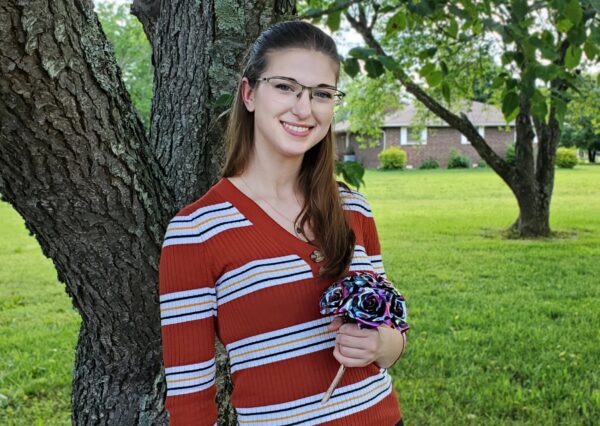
point(433, 142)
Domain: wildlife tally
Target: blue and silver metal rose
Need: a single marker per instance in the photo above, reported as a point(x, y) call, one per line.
point(366, 298)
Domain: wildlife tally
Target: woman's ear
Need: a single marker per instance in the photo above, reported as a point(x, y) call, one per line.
point(247, 94)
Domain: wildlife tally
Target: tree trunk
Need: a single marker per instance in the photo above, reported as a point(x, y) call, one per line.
point(533, 177)
point(534, 213)
point(75, 164)
point(97, 195)
point(592, 155)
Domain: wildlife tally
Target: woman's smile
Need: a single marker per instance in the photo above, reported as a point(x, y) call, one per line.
point(296, 130)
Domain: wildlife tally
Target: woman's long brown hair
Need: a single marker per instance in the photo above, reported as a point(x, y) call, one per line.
point(322, 209)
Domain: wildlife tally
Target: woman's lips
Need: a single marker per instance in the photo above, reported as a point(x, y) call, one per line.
point(296, 130)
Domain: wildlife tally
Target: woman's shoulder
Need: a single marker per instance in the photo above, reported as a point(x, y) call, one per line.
point(195, 222)
point(212, 197)
point(353, 200)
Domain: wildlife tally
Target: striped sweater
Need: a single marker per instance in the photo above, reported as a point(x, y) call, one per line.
point(227, 268)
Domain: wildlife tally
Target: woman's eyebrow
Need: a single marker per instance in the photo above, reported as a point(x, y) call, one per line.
point(296, 81)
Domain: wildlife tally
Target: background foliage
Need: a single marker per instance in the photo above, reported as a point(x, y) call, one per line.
point(133, 53)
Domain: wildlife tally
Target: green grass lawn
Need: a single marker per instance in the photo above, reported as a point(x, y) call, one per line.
point(503, 331)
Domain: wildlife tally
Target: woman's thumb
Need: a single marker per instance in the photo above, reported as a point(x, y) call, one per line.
point(335, 324)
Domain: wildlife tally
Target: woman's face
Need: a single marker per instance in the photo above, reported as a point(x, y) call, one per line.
point(289, 125)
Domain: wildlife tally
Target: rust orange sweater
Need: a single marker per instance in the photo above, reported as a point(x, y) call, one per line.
point(227, 268)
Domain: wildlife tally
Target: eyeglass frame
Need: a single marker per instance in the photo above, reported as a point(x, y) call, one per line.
point(338, 95)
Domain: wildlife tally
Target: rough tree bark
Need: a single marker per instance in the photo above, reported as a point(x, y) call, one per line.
point(95, 191)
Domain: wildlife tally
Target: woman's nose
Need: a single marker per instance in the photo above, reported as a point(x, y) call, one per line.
point(302, 107)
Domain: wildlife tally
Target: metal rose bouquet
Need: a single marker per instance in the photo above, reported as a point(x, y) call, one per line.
point(367, 299)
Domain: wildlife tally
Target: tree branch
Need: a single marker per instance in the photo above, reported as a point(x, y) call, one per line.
point(147, 12)
point(337, 8)
point(462, 123)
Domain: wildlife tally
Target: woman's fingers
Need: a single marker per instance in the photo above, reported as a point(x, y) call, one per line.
point(335, 324)
point(353, 330)
point(348, 361)
point(355, 347)
point(368, 342)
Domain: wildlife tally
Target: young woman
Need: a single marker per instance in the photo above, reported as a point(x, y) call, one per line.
point(250, 259)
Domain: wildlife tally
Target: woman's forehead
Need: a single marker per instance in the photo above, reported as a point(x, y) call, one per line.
point(308, 67)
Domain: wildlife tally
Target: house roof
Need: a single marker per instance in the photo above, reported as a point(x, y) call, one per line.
point(479, 113)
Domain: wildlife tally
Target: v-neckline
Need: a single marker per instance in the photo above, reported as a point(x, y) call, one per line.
point(270, 226)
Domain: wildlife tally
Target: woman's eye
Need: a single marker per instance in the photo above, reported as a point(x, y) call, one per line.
point(284, 87)
point(323, 94)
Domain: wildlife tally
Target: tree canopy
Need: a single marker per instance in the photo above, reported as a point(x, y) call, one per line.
point(540, 46)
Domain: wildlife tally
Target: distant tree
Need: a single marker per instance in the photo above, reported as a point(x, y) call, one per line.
point(582, 123)
point(541, 45)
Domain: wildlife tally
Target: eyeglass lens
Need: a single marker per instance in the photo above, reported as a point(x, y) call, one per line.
point(287, 90)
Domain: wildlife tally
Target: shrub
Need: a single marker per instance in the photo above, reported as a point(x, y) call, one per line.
point(430, 164)
point(392, 158)
point(566, 158)
point(457, 161)
point(481, 163)
point(509, 156)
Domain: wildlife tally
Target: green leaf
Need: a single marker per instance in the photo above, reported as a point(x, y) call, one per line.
point(564, 25)
point(498, 82)
point(590, 49)
point(537, 42)
point(427, 53)
point(452, 28)
point(519, 8)
point(224, 100)
point(333, 21)
point(427, 69)
point(461, 13)
point(598, 79)
point(446, 91)
point(572, 57)
point(352, 172)
point(510, 105)
point(560, 107)
point(362, 52)
point(396, 23)
point(435, 78)
point(312, 12)
point(444, 68)
point(374, 68)
point(547, 72)
point(548, 37)
point(511, 83)
point(507, 57)
point(576, 35)
point(549, 53)
point(539, 108)
point(573, 12)
point(528, 49)
point(351, 67)
point(389, 63)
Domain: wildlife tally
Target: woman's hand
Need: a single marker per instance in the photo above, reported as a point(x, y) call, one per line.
point(355, 347)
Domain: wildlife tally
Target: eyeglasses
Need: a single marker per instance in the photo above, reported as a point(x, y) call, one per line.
point(286, 88)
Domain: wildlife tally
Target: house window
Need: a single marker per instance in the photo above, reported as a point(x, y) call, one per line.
point(465, 141)
point(407, 136)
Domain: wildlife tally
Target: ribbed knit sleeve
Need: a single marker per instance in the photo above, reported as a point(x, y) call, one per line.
point(188, 313)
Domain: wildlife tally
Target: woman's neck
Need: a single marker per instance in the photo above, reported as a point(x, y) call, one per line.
point(273, 179)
